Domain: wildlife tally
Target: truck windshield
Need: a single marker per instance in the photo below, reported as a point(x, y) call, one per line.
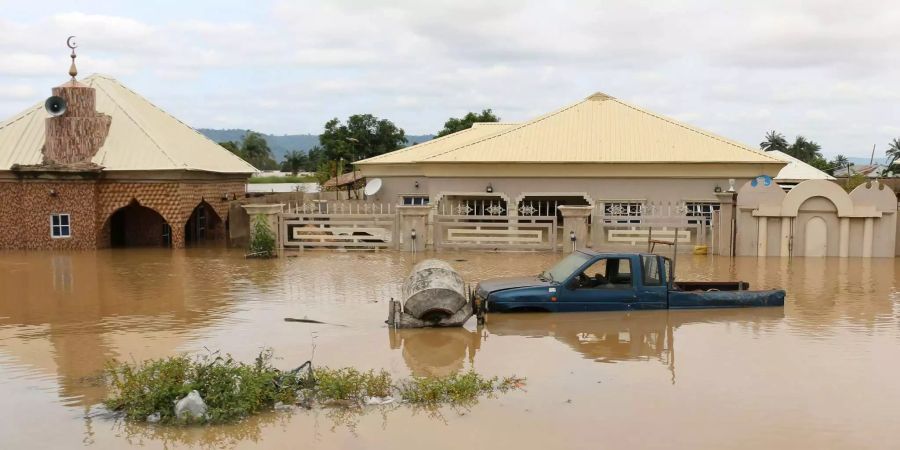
point(565, 267)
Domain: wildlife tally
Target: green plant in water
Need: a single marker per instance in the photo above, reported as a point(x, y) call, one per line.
point(348, 385)
point(455, 389)
point(231, 390)
point(262, 240)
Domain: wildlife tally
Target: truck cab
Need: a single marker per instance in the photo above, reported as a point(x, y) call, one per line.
point(592, 281)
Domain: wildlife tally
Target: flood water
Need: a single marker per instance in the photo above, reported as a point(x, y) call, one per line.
point(820, 373)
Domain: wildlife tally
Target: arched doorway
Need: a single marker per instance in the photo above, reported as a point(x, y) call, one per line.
point(815, 241)
point(203, 225)
point(138, 226)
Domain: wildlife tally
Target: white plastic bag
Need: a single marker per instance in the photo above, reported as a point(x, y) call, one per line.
point(191, 406)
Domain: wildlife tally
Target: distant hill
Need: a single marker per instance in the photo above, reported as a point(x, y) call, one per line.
point(281, 144)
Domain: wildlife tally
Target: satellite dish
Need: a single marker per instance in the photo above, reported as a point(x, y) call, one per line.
point(55, 105)
point(373, 186)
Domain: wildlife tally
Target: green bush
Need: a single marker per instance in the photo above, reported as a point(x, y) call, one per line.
point(455, 389)
point(262, 240)
point(232, 390)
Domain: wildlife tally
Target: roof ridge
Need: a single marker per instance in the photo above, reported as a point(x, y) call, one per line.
point(510, 130)
point(418, 145)
point(691, 128)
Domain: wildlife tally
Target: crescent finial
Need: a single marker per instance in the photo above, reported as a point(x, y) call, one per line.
point(70, 42)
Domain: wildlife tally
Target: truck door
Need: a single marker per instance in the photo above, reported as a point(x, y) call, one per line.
point(653, 290)
point(606, 284)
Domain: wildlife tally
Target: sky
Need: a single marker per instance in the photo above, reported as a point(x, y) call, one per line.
point(827, 70)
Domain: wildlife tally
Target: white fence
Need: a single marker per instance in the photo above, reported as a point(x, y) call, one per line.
point(488, 224)
point(350, 225)
point(637, 224)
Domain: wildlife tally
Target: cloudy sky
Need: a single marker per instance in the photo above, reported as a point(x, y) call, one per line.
point(829, 70)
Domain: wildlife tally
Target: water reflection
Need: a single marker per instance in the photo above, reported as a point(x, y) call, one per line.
point(436, 352)
point(68, 314)
point(604, 337)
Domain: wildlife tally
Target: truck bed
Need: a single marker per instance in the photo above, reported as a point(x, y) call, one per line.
point(712, 285)
point(724, 299)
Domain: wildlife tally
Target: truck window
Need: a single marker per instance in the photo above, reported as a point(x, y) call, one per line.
point(606, 273)
point(650, 264)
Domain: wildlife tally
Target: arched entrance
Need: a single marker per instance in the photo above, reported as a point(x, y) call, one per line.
point(815, 242)
point(203, 225)
point(138, 226)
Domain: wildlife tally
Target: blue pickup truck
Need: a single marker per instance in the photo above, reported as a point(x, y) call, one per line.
point(592, 281)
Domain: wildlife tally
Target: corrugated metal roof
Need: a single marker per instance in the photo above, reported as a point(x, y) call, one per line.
point(440, 145)
point(599, 129)
point(796, 169)
point(141, 136)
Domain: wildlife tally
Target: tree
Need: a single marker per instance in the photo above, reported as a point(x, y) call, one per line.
point(804, 150)
point(774, 141)
point(294, 161)
point(453, 124)
point(232, 147)
point(839, 162)
point(363, 136)
point(254, 149)
point(893, 154)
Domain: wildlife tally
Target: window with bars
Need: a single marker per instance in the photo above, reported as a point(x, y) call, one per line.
point(623, 212)
point(703, 211)
point(60, 226)
point(415, 200)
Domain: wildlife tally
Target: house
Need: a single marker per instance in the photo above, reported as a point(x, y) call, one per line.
point(111, 169)
point(600, 151)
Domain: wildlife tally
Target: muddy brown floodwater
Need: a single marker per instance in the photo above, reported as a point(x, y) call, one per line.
point(820, 373)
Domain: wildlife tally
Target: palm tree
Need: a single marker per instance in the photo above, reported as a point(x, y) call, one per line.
point(774, 141)
point(893, 152)
point(839, 162)
point(804, 150)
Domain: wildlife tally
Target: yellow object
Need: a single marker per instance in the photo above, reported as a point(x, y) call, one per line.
point(700, 249)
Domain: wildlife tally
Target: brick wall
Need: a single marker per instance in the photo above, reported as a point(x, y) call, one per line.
point(25, 209)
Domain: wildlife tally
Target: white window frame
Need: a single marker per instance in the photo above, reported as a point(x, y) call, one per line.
point(60, 227)
point(426, 201)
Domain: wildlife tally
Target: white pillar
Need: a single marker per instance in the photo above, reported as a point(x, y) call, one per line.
point(845, 238)
point(785, 236)
point(763, 240)
point(867, 237)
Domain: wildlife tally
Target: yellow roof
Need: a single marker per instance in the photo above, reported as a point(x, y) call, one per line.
point(599, 129)
point(141, 136)
point(437, 146)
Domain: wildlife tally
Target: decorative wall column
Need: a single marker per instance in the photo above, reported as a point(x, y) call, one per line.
point(844, 243)
point(785, 236)
point(725, 241)
point(413, 227)
point(868, 235)
point(268, 213)
point(575, 220)
point(762, 242)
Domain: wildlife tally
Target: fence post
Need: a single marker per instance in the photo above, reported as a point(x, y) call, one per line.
point(272, 214)
point(413, 218)
point(575, 223)
point(727, 210)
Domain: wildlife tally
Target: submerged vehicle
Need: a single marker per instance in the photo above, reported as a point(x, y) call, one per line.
point(591, 281)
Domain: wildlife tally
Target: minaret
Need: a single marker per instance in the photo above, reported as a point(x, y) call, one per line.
point(77, 134)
